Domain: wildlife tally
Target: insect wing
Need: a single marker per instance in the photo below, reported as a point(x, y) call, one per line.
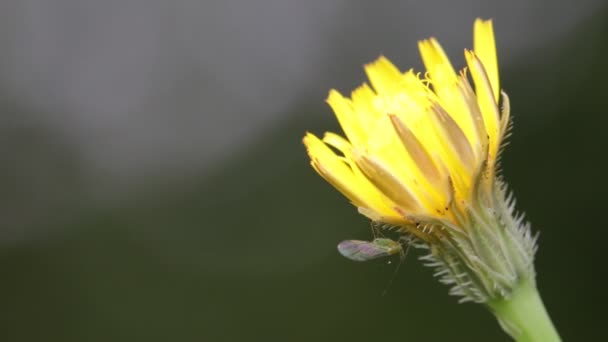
point(357, 250)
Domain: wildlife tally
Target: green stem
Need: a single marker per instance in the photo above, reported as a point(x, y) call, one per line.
point(523, 315)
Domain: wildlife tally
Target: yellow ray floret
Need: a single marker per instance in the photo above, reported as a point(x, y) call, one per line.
point(415, 146)
point(344, 175)
point(485, 48)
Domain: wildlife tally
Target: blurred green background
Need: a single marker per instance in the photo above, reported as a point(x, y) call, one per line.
point(247, 251)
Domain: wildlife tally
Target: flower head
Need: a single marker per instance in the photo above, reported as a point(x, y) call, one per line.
point(421, 153)
point(414, 145)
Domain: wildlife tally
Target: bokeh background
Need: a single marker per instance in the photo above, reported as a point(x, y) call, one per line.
point(153, 185)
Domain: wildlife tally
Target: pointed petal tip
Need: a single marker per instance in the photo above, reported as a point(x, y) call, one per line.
point(311, 142)
point(307, 136)
point(382, 74)
point(332, 94)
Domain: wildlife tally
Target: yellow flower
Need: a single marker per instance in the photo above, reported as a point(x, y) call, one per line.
point(417, 146)
point(421, 154)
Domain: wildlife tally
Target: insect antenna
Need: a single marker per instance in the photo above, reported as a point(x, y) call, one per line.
point(376, 229)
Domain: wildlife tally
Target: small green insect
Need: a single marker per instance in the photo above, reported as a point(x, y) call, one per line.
point(358, 250)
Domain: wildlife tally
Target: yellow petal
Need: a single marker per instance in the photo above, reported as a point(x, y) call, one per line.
point(487, 104)
point(391, 185)
point(328, 165)
point(445, 84)
point(338, 142)
point(363, 99)
point(484, 46)
point(340, 173)
point(344, 111)
point(379, 217)
point(436, 63)
point(383, 75)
